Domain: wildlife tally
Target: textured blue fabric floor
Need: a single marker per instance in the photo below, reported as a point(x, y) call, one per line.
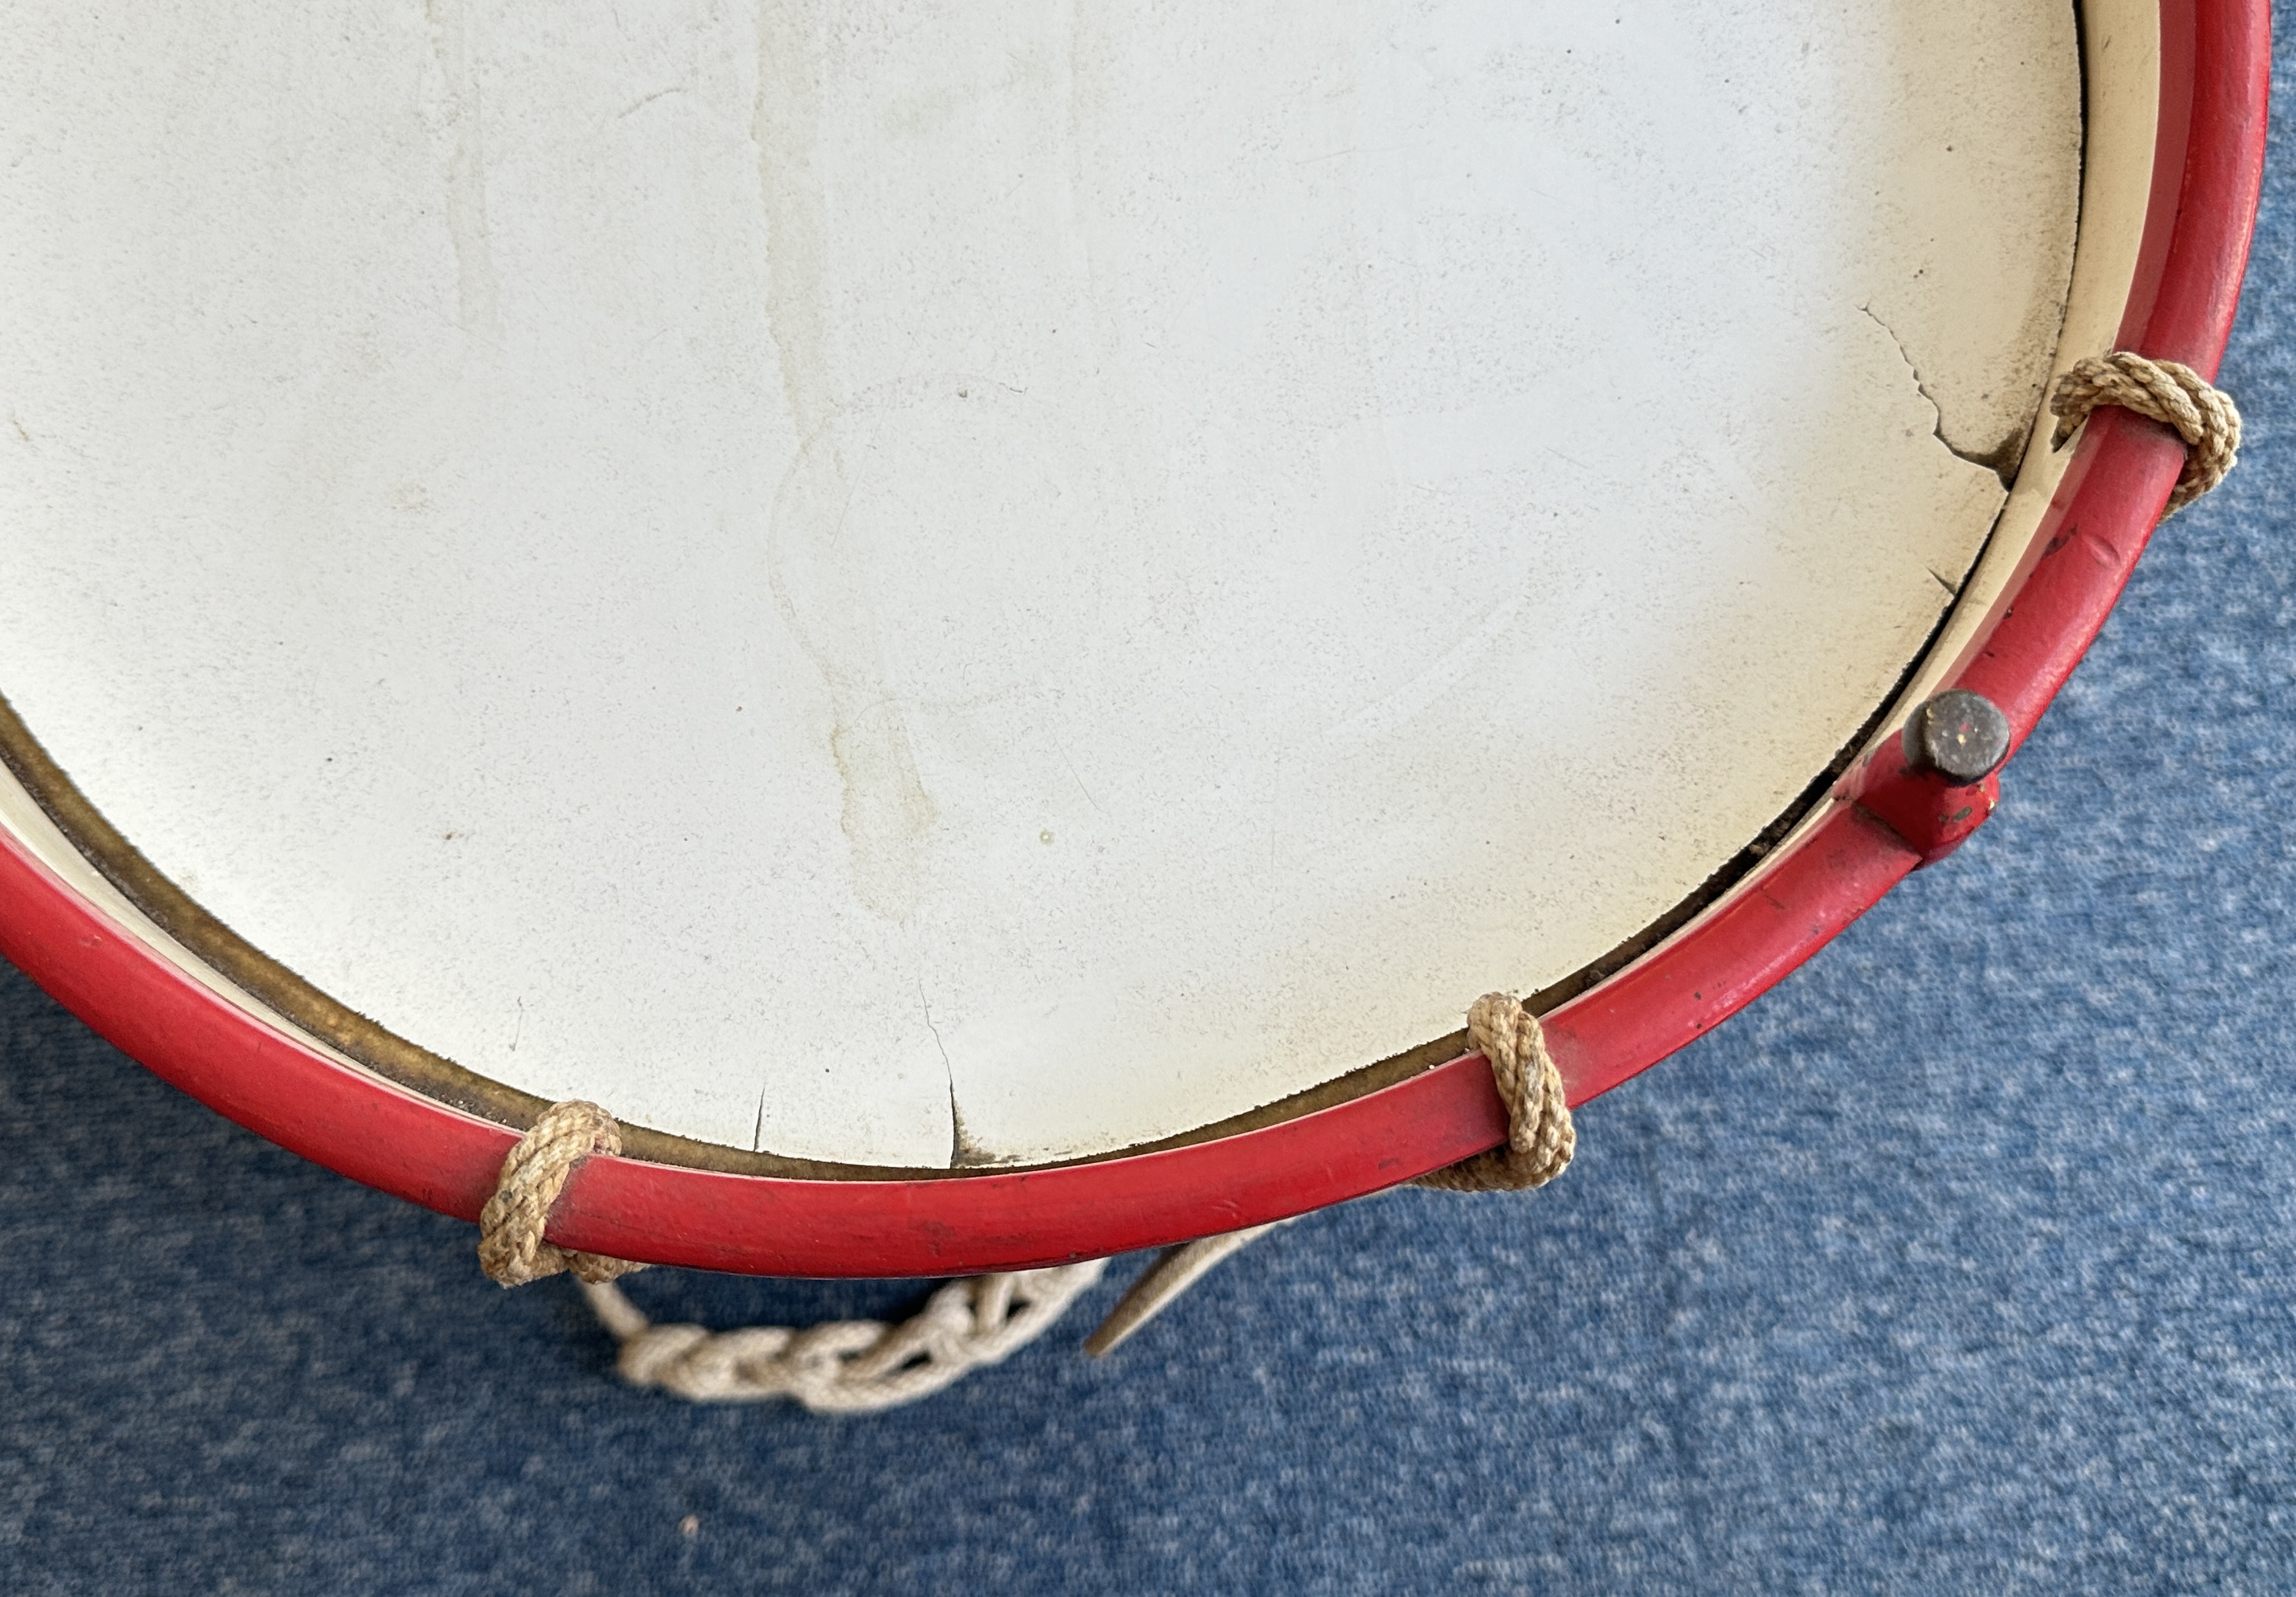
point(1966, 1262)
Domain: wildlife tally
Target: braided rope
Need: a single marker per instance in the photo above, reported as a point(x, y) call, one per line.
point(1540, 1138)
point(2174, 395)
point(847, 1366)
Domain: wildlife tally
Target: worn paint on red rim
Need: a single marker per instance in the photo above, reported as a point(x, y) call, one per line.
point(2208, 171)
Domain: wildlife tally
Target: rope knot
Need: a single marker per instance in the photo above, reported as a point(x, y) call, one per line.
point(1540, 1138)
point(2171, 393)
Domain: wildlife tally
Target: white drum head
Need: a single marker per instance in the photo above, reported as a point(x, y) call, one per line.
point(945, 585)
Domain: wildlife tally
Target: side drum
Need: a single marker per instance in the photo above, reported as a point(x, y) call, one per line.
point(986, 626)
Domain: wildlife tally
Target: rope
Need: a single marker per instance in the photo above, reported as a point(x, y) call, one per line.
point(510, 1249)
point(1540, 1136)
point(2176, 396)
point(849, 1366)
point(861, 1366)
point(1174, 1271)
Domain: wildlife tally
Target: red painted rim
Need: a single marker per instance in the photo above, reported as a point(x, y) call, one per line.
point(2215, 58)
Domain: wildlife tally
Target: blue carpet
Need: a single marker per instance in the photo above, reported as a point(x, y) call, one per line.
point(1962, 1263)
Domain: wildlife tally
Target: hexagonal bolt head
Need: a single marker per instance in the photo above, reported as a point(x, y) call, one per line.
point(1961, 735)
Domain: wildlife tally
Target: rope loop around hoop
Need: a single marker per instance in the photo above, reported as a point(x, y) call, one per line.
point(511, 1246)
point(2167, 391)
point(1540, 1135)
point(1541, 1139)
point(847, 1366)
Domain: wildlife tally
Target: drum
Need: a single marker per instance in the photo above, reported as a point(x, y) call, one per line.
point(986, 622)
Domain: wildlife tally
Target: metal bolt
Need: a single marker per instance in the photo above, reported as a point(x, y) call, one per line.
point(1961, 735)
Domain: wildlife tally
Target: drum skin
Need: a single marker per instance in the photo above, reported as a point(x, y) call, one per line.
point(2206, 172)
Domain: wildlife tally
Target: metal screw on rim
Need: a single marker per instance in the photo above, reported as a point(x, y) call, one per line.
point(1961, 735)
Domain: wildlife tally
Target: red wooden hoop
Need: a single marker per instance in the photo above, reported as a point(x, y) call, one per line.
point(2216, 59)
